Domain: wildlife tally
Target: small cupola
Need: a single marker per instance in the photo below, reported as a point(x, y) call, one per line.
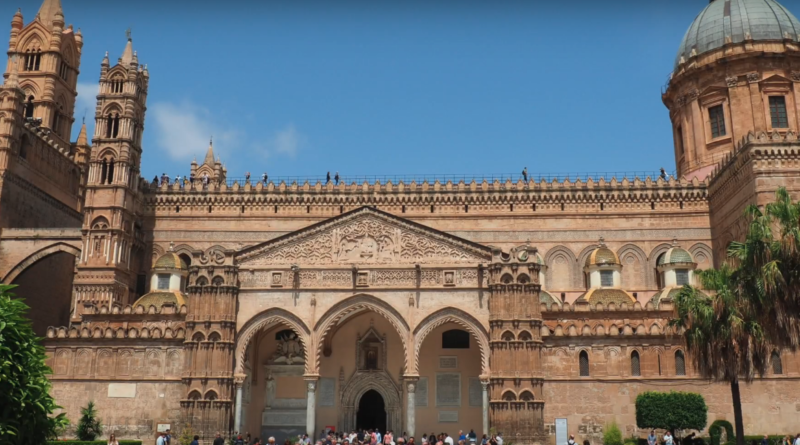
point(167, 282)
point(603, 272)
point(676, 269)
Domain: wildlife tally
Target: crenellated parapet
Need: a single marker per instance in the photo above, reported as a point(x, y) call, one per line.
point(433, 196)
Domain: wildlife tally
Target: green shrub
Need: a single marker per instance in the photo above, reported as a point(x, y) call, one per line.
point(715, 431)
point(612, 435)
point(89, 426)
point(672, 411)
point(92, 442)
point(26, 406)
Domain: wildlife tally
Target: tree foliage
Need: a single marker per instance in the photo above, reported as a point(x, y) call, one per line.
point(612, 435)
point(26, 406)
point(715, 431)
point(671, 411)
point(89, 426)
point(187, 436)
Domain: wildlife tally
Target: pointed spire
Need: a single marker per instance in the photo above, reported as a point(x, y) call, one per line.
point(82, 139)
point(209, 160)
point(127, 54)
point(16, 22)
point(105, 60)
point(49, 10)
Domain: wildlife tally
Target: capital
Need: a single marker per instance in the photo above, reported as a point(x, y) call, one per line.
point(238, 380)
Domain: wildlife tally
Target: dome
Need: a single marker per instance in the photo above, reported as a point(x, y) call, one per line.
point(669, 294)
point(546, 298)
point(735, 21)
point(160, 297)
point(675, 255)
point(602, 255)
point(606, 296)
point(170, 261)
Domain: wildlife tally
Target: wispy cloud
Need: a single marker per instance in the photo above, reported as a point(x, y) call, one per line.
point(287, 141)
point(183, 130)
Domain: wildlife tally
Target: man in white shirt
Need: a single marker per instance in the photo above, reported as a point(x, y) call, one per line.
point(448, 440)
point(797, 440)
point(499, 439)
point(161, 440)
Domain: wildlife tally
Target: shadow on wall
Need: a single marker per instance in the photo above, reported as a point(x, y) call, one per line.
point(46, 287)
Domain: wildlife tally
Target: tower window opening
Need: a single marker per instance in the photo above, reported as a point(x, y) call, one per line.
point(29, 107)
point(679, 139)
point(602, 207)
point(681, 203)
point(308, 209)
point(276, 209)
point(209, 209)
point(177, 209)
point(431, 209)
point(652, 206)
point(32, 60)
point(511, 207)
point(56, 122)
point(63, 71)
point(109, 124)
point(716, 118)
point(583, 364)
point(115, 131)
point(111, 171)
point(606, 278)
point(341, 209)
point(682, 277)
point(163, 281)
point(562, 206)
point(103, 172)
point(659, 365)
point(466, 208)
point(777, 110)
point(403, 209)
point(534, 207)
point(242, 209)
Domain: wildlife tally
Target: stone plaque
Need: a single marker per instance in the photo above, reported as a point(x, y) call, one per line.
point(327, 392)
point(448, 362)
point(475, 392)
point(162, 427)
point(421, 398)
point(285, 418)
point(448, 389)
point(122, 390)
point(448, 416)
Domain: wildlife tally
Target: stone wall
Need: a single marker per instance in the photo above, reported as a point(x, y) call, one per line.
point(769, 406)
point(128, 417)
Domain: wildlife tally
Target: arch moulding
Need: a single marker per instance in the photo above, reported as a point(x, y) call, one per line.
point(38, 255)
point(266, 320)
point(459, 317)
point(354, 304)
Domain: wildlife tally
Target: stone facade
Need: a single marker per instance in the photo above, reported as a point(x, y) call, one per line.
point(285, 308)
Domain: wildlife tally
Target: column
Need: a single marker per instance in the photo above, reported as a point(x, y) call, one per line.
point(485, 388)
point(311, 408)
point(411, 404)
point(237, 416)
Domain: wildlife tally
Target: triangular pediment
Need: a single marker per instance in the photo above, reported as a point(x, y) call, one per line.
point(364, 236)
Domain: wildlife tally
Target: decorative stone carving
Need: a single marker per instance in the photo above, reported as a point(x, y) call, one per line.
point(796, 76)
point(366, 237)
point(753, 77)
point(732, 81)
point(212, 256)
point(290, 351)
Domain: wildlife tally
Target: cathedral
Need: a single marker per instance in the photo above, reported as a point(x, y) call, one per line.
point(519, 306)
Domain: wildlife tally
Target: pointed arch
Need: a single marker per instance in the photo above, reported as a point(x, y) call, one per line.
point(266, 320)
point(634, 268)
point(459, 317)
point(561, 265)
point(38, 255)
point(355, 304)
point(703, 255)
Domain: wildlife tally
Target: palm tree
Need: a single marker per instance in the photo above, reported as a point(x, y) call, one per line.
point(724, 338)
point(769, 267)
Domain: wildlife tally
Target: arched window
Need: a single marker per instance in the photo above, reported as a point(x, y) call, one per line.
point(583, 362)
point(103, 172)
point(680, 363)
point(455, 339)
point(636, 369)
point(659, 275)
point(111, 171)
point(33, 58)
point(186, 259)
point(777, 365)
point(29, 107)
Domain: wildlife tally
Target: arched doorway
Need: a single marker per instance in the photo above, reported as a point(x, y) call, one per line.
point(371, 412)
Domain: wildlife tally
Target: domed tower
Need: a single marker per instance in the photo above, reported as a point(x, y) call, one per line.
point(676, 269)
point(603, 272)
point(167, 282)
point(737, 70)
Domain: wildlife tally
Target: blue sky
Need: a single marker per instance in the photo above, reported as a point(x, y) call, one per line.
point(394, 87)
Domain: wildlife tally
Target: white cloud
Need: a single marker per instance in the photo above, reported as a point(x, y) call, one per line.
point(287, 141)
point(184, 130)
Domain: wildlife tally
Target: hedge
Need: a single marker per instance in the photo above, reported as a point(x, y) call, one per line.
point(92, 442)
point(715, 431)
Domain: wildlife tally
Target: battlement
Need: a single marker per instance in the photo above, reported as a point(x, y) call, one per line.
point(587, 193)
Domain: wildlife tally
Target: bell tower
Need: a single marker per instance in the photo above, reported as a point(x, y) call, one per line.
point(113, 247)
point(47, 56)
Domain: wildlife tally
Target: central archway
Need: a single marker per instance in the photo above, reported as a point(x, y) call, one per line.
point(356, 389)
point(371, 413)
